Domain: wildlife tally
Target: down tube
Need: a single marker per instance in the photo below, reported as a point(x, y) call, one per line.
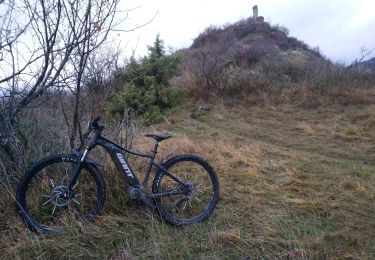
point(122, 164)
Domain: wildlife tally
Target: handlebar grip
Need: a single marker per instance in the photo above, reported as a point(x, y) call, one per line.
point(98, 118)
point(94, 123)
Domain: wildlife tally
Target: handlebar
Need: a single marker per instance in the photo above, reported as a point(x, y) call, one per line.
point(94, 124)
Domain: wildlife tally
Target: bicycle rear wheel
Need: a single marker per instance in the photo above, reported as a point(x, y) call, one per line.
point(41, 201)
point(198, 202)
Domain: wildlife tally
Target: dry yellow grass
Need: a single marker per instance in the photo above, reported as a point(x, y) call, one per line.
point(293, 186)
point(304, 127)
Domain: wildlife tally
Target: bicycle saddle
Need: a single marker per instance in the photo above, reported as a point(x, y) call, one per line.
point(159, 138)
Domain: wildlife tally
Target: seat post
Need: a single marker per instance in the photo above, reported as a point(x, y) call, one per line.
point(148, 171)
point(156, 148)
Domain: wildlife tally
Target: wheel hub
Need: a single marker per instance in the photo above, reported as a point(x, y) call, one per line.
point(191, 190)
point(60, 196)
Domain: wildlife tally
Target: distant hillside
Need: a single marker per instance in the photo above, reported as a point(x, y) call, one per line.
point(368, 65)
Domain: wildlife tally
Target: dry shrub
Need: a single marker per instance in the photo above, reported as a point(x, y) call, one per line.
point(303, 95)
point(250, 53)
point(309, 97)
point(346, 96)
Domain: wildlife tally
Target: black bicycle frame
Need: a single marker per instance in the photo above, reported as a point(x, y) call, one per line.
point(118, 155)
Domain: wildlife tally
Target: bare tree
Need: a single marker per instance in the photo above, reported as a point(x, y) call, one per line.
point(43, 45)
point(93, 85)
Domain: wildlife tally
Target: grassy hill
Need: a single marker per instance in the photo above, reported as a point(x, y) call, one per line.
point(259, 63)
point(295, 183)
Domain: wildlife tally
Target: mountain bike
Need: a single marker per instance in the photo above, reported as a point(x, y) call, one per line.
point(68, 190)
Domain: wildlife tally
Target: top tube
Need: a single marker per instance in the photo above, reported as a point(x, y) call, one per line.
point(106, 143)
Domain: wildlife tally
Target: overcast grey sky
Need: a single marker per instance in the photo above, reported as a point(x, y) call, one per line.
point(339, 28)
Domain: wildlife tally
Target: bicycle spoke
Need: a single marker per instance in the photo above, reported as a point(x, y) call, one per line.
point(73, 211)
point(177, 204)
point(50, 199)
point(199, 200)
point(47, 201)
point(54, 208)
point(75, 185)
point(52, 184)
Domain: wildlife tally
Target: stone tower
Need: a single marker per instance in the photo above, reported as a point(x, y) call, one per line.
point(255, 12)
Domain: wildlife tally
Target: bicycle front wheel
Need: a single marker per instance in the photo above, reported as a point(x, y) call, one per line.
point(201, 197)
point(41, 201)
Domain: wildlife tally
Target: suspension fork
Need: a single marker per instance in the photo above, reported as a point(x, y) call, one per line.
point(73, 178)
point(77, 169)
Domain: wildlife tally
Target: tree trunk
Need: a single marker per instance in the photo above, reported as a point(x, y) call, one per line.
point(9, 143)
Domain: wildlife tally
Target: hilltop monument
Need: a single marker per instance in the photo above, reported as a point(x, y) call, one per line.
point(255, 12)
point(255, 15)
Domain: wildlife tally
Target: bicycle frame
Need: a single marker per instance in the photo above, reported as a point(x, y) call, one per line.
point(117, 154)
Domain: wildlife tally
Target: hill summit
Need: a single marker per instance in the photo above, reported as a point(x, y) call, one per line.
point(248, 33)
point(248, 41)
point(235, 59)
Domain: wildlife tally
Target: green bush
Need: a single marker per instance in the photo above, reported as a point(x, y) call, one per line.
point(146, 89)
point(151, 101)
